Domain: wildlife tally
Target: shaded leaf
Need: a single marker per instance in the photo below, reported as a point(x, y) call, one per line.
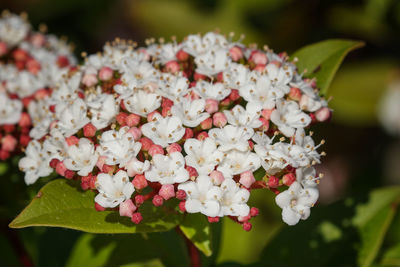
point(391, 256)
point(61, 203)
point(197, 229)
point(322, 60)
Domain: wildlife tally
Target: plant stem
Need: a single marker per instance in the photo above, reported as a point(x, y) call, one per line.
point(194, 254)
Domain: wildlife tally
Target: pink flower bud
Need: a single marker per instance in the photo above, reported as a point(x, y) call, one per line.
point(89, 79)
point(41, 94)
point(198, 76)
point(20, 55)
point(276, 63)
point(9, 143)
point(247, 178)
point(98, 207)
point(105, 73)
point(273, 182)
point(69, 174)
point(139, 182)
point(156, 149)
point(132, 120)
point(295, 94)
point(188, 134)
point(24, 140)
point(236, 53)
point(60, 168)
point(206, 124)
point(72, 140)
point(288, 179)
point(254, 212)
point(180, 194)
point(150, 116)
point(137, 217)
point(182, 206)
point(259, 67)
point(266, 113)
point(89, 130)
point(108, 168)
point(182, 55)
point(211, 106)
point(3, 48)
point(202, 135)
point(304, 100)
point(323, 114)
point(158, 201)
point(33, 66)
point(217, 177)
point(167, 191)
point(219, 119)
point(166, 102)
point(121, 118)
point(225, 102)
point(174, 147)
point(135, 132)
point(38, 39)
point(139, 200)
point(213, 219)
point(258, 57)
point(234, 95)
point(4, 155)
point(127, 208)
point(146, 143)
point(8, 128)
point(192, 171)
point(247, 226)
point(172, 66)
point(166, 111)
point(62, 61)
point(53, 163)
point(100, 162)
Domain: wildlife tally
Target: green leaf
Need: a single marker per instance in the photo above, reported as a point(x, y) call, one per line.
point(391, 256)
point(153, 249)
point(61, 203)
point(197, 229)
point(322, 60)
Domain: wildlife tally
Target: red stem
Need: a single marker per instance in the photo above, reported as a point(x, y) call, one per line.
point(194, 254)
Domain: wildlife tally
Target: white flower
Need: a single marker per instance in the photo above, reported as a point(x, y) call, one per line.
point(207, 90)
point(303, 151)
point(103, 108)
point(202, 155)
point(41, 117)
point(190, 112)
point(236, 162)
point(13, 29)
point(72, 117)
point(35, 164)
point(212, 62)
point(55, 145)
point(232, 137)
point(173, 87)
point(307, 176)
point(142, 103)
point(288, 116)
point(135, 166)
point(113, 190)
point(164, 52)
point(389, 109)
point(195, 44)
point(237, 75)
point(118, 147)
point(248, 117)
point(202, 196)
point(140, 71)
point(167, 169)
point(10, 110)
point(164, 131)
point(296, 202)
point(311, 104)
point(234, 199)
point(66, 89)
point(81, 157)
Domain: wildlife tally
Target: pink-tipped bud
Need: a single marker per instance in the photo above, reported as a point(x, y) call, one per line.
point(137, 217)
point(121, 118)
point(4, 155)
point(247, 226)
point(53, 163)
point(72, 140)
point(254, 212)
point(41, 94)
point(33, 66)
point(219, 119)
point(182, 55)
point(182, 206)
point(166, 102)
point(202, 135)
point(180, 194)
point(9, 143)
point(258, 57)
point(259, 67)
point(62, 61)
point(135, 132)
point(89, 79)
point(172, 66)
point(323, 114)
point(166, 111)
point(60, 168)
point(288, 179)
point(217, 177)
point(8, 128)
point(69, 174)
point(247, 179)
point(266, 113)
point(192, 171)
point(236, 53)
point(265, 123)
point(211, 106)
point(174, 147)
point(108, 168)
point(89, 130)
point(146, 143)
point(20, 54)
point(100, 162)
point(158, 201)
point(198, 76)
point(273, 182)
point(234, 95)
point(132, 120)
point(105, 73)
point(3, 48)
point(38, 39)
point(225, 102)
point(206, 124)
point(251, 144)
point(295, 94)
point(188, 134)
point(156, 149)
point(127, 208)
point(167, 191)
point(213, 219)
point(98, 207)
point(24, 140)
point(139, 200)
point(25, 120)
point(139, 182)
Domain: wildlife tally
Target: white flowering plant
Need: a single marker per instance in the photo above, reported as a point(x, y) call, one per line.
point(31, 62)
point(179, 134)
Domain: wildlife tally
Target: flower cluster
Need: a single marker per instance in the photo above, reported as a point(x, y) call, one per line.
point(30, 64)
point(193, 120)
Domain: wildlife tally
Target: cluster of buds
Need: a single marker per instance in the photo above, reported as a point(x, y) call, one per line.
point(30, 64)
point(204, 121)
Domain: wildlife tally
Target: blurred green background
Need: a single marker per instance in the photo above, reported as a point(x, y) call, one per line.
point(361, 155)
